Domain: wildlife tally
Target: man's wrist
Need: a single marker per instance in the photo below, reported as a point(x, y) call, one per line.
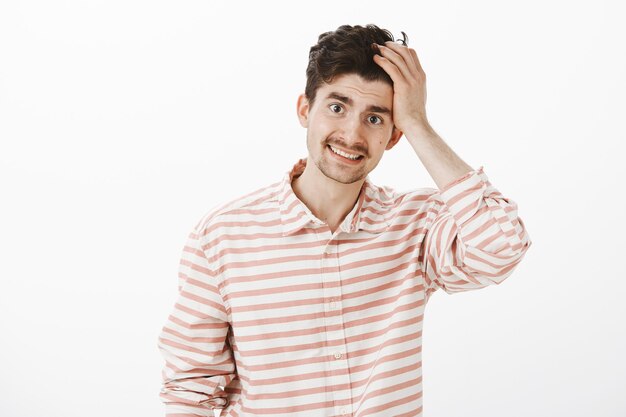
point(419, 132)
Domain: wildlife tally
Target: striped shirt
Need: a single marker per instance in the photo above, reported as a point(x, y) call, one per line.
point(278, 316)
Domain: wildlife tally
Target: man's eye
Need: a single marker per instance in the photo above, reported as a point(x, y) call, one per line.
point(335, 108)
point(376, 120)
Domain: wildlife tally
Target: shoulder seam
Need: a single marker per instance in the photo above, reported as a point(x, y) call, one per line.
point(269, 193)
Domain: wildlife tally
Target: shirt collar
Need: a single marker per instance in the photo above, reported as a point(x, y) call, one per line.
point(367, 214)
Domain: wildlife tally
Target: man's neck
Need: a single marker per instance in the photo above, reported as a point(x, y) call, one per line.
point(328, 200)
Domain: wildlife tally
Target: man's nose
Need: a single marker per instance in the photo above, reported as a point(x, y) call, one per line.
point(353, 130)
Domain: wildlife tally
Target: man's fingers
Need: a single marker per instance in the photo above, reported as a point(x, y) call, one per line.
point(390, 68)
point(397, 60)
point(405, 53)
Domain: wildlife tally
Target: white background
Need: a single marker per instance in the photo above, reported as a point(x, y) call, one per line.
point(123, 122)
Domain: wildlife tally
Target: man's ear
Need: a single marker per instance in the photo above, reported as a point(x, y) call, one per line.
point(303, 110)
point(395, 138)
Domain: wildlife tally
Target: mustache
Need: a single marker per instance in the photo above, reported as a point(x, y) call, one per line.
point(340, 144)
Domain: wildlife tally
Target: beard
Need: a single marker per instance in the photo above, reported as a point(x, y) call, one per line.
point(335, 170)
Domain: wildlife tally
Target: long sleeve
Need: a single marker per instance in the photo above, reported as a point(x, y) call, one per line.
point(475, 237)
point(194, 341)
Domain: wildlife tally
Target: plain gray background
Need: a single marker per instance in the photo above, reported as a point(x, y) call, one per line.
point(123, 122)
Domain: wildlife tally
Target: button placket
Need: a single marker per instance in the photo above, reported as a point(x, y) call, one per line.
point(332, 294)
point(338, 368)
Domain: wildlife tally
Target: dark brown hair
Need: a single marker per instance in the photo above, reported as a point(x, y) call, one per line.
point(347, 50)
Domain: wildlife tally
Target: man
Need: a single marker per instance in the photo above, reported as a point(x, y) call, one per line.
point(306, 297)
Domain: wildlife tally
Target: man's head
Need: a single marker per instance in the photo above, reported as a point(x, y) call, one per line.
point(347, 103)
point(347, 50)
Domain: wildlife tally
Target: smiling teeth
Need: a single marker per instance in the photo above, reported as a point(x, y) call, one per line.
point(344, 154)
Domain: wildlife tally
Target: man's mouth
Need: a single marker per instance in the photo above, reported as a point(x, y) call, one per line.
point(350, 156)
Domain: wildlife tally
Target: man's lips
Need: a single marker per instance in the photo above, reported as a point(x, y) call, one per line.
point(343, 158)
point(351, 152)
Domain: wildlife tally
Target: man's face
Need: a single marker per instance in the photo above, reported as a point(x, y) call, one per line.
point(353, 116)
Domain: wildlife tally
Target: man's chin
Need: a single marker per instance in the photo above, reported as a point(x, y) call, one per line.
point(333, 170)
point(342, 178)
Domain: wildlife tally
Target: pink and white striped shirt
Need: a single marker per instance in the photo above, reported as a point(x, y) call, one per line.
point(277, 316)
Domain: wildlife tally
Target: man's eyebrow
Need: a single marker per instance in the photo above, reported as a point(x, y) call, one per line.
point(349, 101)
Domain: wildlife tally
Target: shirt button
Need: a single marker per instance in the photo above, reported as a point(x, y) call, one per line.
point(344, 411)
point(337, 355)
point(333, 305)
point(328, 250)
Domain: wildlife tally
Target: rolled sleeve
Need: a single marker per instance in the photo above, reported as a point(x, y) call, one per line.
point(476, 237)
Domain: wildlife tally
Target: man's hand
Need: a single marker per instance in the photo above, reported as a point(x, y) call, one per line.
point(409, 86)
point(409, 113)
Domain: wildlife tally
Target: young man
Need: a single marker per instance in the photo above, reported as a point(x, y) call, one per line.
point(306, 298)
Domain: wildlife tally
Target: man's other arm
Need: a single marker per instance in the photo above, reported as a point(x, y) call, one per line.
point(194, 341)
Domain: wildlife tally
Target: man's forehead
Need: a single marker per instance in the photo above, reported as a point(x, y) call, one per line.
point(355, 87)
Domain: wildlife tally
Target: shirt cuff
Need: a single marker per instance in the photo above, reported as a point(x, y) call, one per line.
point(463, 195)
point(204, 410)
